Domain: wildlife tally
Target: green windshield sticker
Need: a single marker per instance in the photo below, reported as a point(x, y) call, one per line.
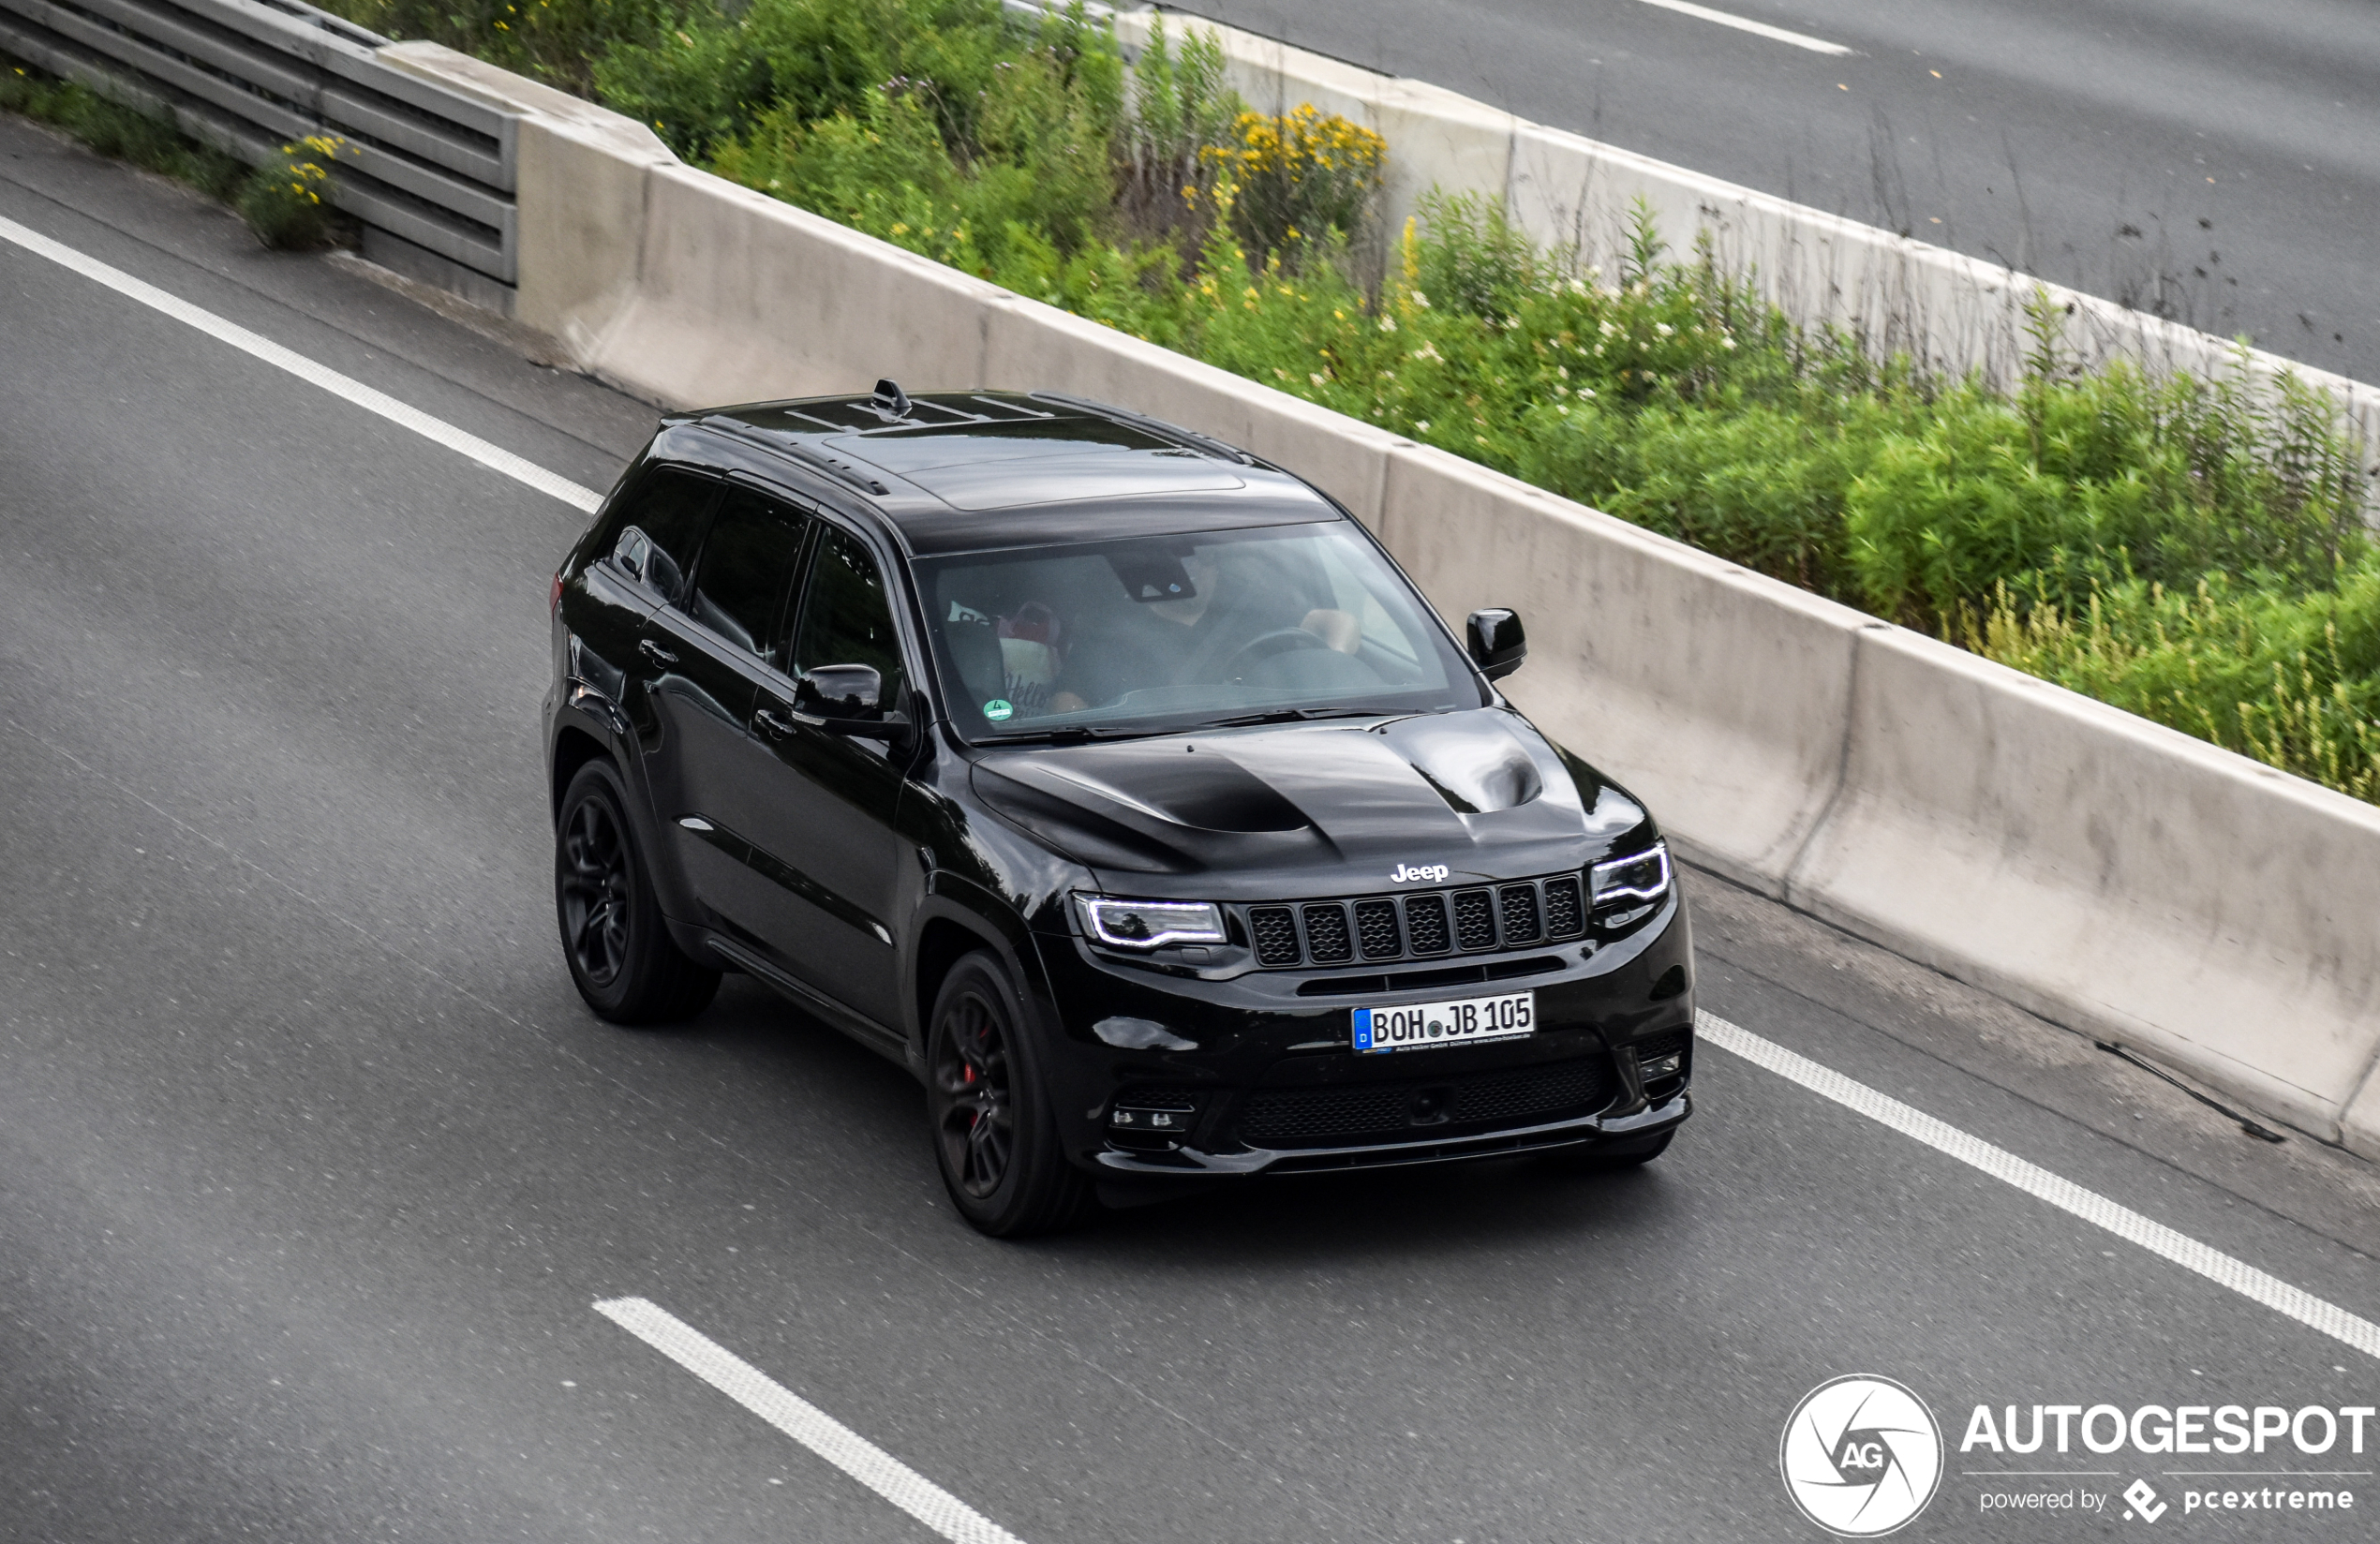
point(998, 709)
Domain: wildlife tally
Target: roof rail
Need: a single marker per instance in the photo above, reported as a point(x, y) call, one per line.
point(1158, 426)
point(810, 455)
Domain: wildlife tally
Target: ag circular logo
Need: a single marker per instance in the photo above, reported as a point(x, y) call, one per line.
point(1861, 1456)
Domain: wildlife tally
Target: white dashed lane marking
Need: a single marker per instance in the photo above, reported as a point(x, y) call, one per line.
point(494, 457)
point(1759, 29)
point(2256, 1286)
point(803, 1422)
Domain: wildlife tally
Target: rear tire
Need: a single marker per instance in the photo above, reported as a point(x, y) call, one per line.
point(995, 1136)
point(1611, 1159)
point(621, 957)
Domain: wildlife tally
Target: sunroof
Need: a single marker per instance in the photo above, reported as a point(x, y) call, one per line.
point(979, 482)
point(922, 448)
point(811, 417)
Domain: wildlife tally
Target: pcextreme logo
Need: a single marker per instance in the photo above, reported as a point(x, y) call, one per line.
point(1861, 1456)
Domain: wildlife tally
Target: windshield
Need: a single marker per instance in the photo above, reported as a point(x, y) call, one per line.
point(1168, 632)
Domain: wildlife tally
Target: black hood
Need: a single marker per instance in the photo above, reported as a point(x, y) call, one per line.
point(1302, 809)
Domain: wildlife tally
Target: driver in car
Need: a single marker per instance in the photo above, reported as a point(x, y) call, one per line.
point(1188, 627)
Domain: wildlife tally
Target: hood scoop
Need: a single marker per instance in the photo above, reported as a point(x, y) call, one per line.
point(1476, 769)
point(1454, 787)
point(1165, 782)
point(1158, 808)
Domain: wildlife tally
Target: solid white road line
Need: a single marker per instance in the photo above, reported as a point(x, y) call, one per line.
point(1744, 24)
point(803, 1422)
point(2125, 1223)
point(494, 457)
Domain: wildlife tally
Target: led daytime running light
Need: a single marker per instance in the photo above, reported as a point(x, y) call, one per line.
point(1602, 879)
point(1152, 923)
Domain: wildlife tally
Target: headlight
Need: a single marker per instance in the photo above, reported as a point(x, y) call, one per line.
point(1146, 924)
point(1623, 889)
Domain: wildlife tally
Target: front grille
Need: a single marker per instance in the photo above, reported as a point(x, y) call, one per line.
point(1520, 913)
point(1376, 929)
point(1425, 925)
point(1356, 1112)
point(1326, 935)
point(1325, 1112)
point(1276, 934)
point(1563, 916)
point(1474, 920)
point(1417, 924)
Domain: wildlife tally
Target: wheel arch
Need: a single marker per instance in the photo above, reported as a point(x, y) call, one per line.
point(573, 748)
point(953, 923)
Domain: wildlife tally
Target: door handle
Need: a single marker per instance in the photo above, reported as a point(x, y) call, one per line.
point(654, 652)
point(772, 723)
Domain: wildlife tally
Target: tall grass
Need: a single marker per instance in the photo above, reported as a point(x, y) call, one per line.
point(2290, 678)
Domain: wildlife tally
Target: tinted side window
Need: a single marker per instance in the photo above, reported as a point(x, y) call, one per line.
point(662, 526)
point(846, 618)
point(747, 566)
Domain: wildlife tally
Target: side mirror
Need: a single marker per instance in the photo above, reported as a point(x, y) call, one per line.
point(631, 550)
point(841, 693)
point(1498, 644)
point(848, 700)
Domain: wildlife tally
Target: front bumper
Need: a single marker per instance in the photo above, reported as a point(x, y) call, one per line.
point(1597, 1130)
point(1261, 1068)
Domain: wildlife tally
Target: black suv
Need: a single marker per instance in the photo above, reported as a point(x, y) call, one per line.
point(1113, 781)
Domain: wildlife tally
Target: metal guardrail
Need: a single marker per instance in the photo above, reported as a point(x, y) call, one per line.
point(429, 173)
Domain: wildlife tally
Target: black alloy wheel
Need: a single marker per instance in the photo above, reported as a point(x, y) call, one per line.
point(619, 949)
point(978, 1125)
point(994, 1140)
point(591, 888)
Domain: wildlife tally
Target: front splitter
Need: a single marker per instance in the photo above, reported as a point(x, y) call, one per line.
point(1190, 1163)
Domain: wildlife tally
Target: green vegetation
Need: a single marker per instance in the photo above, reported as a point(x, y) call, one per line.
point(282, 199)
point(114, 129)
point(2292, 679)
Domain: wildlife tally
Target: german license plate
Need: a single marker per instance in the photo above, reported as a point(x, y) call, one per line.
point(1457, 1021)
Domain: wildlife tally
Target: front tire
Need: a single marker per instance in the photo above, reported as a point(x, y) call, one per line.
point(620, 955)
point(995, 1138)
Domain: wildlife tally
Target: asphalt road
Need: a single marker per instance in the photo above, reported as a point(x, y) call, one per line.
point(312, 1166)
point(2213, 161)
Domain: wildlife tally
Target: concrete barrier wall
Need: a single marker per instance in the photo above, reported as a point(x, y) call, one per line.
point(1955, 312)
point(2110, 874)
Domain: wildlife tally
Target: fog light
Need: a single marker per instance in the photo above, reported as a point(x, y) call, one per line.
point(1661, 1067)
point(1166, 1117)
point(1151, 1123)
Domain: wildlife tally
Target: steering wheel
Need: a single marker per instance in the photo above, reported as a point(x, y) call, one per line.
point(1265, 646)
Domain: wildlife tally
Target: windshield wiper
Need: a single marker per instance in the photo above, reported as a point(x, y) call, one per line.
point(1069, 735)
point(1294, 715)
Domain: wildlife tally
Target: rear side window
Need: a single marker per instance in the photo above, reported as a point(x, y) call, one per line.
point(747, 567)
point(846, 616)
point(660, 526)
